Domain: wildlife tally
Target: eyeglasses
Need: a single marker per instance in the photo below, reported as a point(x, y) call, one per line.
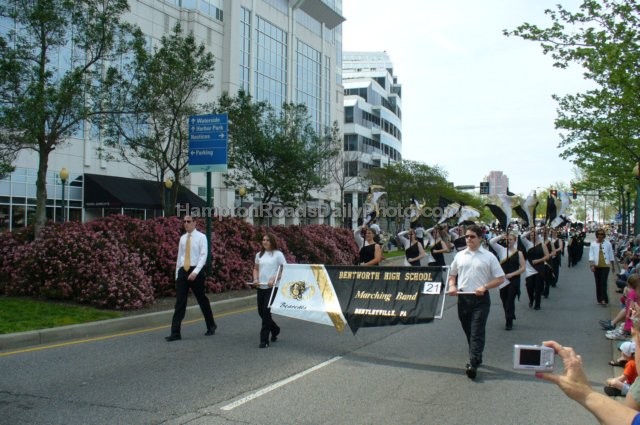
point(470, 236)
point(188, 221)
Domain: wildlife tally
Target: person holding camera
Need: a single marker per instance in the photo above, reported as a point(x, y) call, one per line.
point(575, 384)
point(473, 272)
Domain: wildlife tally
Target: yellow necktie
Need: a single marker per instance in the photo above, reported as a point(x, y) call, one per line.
point(187, 254)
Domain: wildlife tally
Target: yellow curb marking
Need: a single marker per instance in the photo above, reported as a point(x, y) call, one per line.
point(100, 338)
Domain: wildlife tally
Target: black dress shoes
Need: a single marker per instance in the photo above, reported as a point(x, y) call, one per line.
point(172, 338)
point(210, 331)
point(263, 345)
point(471, 371)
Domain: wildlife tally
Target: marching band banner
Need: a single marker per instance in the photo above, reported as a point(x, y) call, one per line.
point(360, 296)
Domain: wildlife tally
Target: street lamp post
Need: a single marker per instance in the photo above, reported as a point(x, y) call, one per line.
point(168, 184)
point(242, 191)
point(64, 175)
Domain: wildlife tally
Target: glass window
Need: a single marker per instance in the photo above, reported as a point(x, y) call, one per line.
point(271, 56)
point(348, 114)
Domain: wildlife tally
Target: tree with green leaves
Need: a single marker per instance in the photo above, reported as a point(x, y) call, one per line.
point(150, 101)
point(276, 156)
point(602, 125)
point(51, 65)
point(407, 179)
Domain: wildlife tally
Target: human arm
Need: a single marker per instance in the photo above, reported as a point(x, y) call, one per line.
point(452, 287)
point(256, 270)
point(377, 256)
point(430, 238)
point(520, 270)
point(202, 247)
point(542, 259)
point(421, 254)
point(358, 236)
point(403, 239)
point(181, 247)
point(280, 260)
point(574, 383)
point(493, 242)
point(498, 277)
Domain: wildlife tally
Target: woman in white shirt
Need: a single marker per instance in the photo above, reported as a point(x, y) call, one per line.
point(265, 269)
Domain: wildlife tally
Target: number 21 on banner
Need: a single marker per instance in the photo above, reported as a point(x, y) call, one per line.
point(431, 288)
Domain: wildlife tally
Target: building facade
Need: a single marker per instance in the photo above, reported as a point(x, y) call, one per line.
point(276, 50)
point(372, 121)
point(498, 183)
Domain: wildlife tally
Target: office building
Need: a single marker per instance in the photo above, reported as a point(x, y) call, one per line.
point(372, 120)
point(276, 50)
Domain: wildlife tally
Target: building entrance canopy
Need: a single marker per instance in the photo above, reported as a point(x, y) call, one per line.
point(121, 192)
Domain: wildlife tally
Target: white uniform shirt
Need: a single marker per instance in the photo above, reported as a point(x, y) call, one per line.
point(594, 252)
point(475, 269)
point(268, 266)
point(198, 251)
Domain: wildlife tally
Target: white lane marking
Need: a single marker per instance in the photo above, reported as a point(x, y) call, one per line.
point(276, 385)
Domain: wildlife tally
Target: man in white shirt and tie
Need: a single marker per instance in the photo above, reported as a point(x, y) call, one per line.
point(192, 257)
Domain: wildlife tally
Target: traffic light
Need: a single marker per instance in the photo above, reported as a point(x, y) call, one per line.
point(575, 194)
point(554, 193)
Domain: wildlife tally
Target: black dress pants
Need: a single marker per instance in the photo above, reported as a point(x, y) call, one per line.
point(473, 312)
point(182, 291)
point(508, 296)
point(268, 325)
point(601, 275)
point(535, 287)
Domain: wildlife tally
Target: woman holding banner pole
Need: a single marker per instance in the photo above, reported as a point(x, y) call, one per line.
point(265, 270)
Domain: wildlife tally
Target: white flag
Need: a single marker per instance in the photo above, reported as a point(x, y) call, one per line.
point(306, 292)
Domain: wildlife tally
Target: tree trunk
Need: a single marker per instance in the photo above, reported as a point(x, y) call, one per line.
point(41, 192)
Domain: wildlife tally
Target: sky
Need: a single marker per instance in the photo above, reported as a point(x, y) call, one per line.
point(473, 100)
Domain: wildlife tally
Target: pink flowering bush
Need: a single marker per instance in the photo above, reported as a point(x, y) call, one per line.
point(71, 262)
point(120, 262)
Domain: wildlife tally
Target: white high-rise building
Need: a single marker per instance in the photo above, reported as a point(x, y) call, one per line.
point(372, 119)
point(276, 50)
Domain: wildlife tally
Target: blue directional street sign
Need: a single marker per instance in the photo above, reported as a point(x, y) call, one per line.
point(208, 139)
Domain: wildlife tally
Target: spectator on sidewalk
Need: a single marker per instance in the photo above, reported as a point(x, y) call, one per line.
point(601, 261)
point(619, 386)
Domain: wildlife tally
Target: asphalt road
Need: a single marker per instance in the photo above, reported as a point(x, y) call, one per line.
point(312, 375)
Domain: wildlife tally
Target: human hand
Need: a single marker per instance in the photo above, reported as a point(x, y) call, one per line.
point(192, 276)
point(452, 290)
point(573, 382)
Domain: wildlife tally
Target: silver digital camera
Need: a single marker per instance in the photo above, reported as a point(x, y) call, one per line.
point(533, 357)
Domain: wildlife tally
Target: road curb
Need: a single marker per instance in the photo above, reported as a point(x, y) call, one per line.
point(106, 327)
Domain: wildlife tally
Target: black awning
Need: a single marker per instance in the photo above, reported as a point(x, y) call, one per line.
point(121, 192)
